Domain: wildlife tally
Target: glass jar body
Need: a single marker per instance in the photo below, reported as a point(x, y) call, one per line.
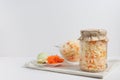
point(93, 55)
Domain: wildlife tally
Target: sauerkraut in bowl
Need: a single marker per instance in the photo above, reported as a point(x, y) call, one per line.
point(71, 51)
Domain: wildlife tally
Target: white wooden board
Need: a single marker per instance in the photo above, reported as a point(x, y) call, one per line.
point(73, 69)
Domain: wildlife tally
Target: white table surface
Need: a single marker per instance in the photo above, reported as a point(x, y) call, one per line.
point(11, 68)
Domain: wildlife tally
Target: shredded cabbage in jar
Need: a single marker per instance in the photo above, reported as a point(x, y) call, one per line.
point(71, 51)
point(93, 56)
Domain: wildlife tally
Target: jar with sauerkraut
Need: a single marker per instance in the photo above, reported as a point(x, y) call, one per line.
point(71, 51)
point(93, 52)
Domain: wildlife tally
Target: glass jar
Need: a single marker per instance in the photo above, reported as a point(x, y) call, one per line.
point(93, 52)
point(71, 51)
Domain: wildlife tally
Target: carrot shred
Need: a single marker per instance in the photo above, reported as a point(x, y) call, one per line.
point(53, 59)
point(92, 42)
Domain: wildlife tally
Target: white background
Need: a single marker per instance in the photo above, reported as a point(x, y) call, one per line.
point(28, 27)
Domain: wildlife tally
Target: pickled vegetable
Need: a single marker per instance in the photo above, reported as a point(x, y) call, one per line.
point(93, 57)
point(71, 51)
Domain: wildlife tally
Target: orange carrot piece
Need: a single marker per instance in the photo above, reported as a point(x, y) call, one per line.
point(92, 42)
point(54, 59)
